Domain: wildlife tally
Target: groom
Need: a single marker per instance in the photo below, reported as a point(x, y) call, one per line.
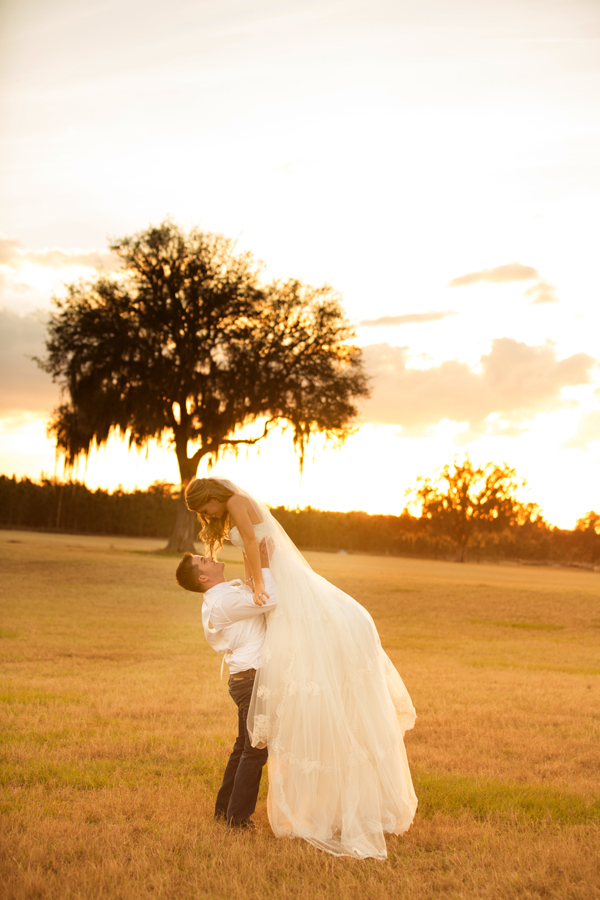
point(235, 627)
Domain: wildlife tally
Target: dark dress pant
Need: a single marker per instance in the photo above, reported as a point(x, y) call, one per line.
point(236, 800)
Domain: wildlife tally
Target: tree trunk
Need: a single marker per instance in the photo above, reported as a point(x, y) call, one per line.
point(182, 536)
point(58, 511)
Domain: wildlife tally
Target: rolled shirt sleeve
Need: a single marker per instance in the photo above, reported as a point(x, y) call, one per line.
point(237, 603)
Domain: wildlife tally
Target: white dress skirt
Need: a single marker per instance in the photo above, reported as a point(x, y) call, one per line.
point(332, 710)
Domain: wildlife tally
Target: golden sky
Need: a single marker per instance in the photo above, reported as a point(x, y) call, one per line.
point(437, 161)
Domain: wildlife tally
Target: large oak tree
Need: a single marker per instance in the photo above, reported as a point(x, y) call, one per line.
point(188, 342)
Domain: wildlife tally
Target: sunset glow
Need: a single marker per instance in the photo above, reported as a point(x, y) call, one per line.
point(437, 163)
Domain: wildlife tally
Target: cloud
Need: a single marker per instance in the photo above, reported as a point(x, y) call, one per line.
point(8, 250)
point(588, 432)
point(12, 255)
point(515, 271)
point(24, 385)
point(514, 380)
point(409, 318)
point(542, 292)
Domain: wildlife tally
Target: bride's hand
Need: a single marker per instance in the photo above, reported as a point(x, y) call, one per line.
point(260, 595)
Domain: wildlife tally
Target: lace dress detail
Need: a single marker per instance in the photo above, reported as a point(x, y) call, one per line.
point(332, 709)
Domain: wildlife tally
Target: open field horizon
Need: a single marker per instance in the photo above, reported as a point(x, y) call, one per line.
point(116, 729)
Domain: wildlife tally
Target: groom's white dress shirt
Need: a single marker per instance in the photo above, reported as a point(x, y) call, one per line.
point(234, 625)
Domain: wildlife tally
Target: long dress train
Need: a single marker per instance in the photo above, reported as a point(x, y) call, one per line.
point(332, 709)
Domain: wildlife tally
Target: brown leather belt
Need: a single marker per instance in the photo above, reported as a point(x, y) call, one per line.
point(239, 676)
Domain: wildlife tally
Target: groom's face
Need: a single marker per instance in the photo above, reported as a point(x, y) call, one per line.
point(208, 569)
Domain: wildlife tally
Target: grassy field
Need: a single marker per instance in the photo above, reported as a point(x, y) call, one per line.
point(115, 731)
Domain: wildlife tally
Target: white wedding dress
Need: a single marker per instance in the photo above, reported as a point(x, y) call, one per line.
point(332, 709)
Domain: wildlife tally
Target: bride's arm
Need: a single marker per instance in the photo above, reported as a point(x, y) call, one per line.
point(239, 515)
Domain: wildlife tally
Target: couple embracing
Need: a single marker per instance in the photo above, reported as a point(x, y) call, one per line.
point(316, 694)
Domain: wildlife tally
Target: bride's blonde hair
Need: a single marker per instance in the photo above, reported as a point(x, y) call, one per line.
point(200, 491)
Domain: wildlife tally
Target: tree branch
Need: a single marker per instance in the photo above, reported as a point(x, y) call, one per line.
point(256, 439)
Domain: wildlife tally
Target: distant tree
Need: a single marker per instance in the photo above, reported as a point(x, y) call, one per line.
point(590, 522)
point(187, 342)
point(587, 537)
point(463, 499)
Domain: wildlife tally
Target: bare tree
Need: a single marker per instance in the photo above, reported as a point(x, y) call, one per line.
point(187, 342)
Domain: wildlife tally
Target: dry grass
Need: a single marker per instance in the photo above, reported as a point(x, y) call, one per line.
point(115, 731)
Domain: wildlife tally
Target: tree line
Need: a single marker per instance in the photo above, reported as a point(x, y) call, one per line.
point(71, 507)
point(52, 505)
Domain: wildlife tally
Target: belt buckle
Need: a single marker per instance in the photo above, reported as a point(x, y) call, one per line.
point(241, 676)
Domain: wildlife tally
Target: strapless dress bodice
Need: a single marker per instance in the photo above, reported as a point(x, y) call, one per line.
point(261, 531)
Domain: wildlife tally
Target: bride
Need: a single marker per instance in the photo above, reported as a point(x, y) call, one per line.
point(327, 700)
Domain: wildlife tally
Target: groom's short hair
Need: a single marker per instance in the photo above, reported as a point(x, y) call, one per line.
point(187, 575)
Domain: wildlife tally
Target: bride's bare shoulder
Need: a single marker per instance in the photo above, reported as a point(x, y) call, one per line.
point(241, 506)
